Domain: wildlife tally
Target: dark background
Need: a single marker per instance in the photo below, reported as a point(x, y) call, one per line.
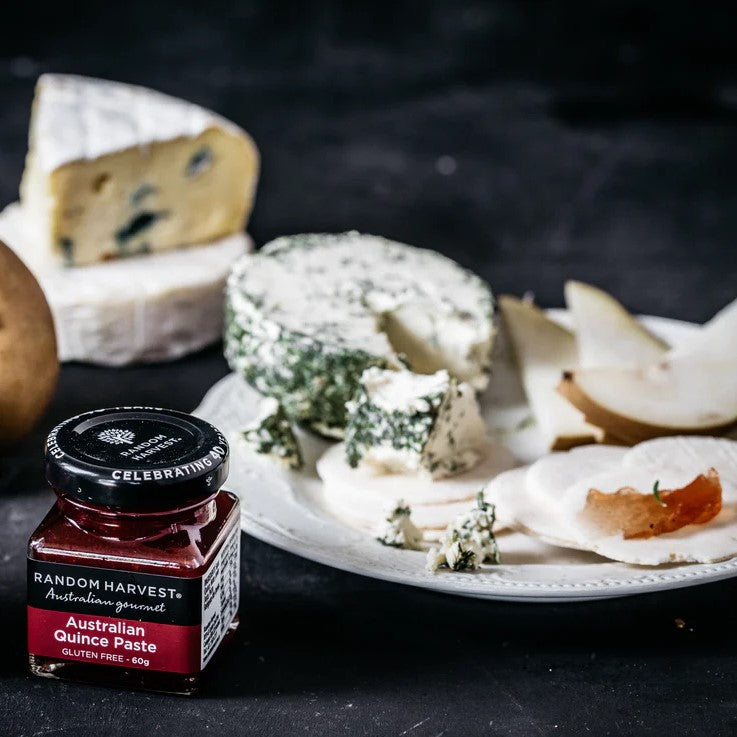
point(532, 142)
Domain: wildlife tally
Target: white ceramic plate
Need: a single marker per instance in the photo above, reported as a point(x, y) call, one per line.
point(284, 509)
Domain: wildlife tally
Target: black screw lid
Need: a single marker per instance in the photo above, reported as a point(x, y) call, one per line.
point(136, 457)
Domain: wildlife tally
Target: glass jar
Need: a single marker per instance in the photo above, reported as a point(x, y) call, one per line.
point(133, 575)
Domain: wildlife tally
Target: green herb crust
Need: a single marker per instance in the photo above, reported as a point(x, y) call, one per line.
point(369, 425)
point(312, 381)
point(272, 435)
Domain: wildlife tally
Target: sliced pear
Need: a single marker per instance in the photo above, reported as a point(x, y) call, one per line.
point(607, 334)
point(679, 395)
point(691, 390)
point(544, 349)
point(717, 338)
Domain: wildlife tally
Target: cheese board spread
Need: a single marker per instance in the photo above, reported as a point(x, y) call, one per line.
point(377, 390)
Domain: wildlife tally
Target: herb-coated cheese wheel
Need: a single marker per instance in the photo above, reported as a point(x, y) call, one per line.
point(308, 313)
point(28, 364)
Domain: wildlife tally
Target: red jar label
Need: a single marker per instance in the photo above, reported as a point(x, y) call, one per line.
point(130, 619)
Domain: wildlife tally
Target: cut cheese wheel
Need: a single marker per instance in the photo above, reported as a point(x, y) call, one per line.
point(141, 309)
point(308, 313)
point(365, 496)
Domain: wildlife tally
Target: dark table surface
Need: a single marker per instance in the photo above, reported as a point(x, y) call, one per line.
point(532, 142)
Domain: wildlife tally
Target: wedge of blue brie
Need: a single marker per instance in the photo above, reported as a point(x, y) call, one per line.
point(117, 170)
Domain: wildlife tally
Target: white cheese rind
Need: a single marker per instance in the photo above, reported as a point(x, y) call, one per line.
point(79, 117)
point(142, 309)
point(308, 313)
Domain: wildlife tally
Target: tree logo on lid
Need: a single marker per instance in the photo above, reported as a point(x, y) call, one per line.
point(116, 437)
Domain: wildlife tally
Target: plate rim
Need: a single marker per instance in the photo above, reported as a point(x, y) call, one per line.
point(690, 574)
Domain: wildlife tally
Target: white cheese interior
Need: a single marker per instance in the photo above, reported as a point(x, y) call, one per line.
point(398, 530)
point(403, 391)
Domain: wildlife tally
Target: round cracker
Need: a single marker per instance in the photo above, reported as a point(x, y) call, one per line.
point(689, 455)
point(362, 499)
point(552, 514)
point(384, 489)
point(550, 476)
point(704, 543)
point(535, 516)
point(369, 517)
